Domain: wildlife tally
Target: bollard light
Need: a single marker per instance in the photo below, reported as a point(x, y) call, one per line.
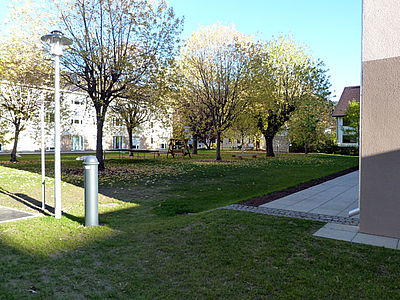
point(57, 40)
point(91, 164)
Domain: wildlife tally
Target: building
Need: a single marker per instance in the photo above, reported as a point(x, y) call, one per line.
point(380, 119)
point(350, 93)
point(79, 130)
point(280, 143)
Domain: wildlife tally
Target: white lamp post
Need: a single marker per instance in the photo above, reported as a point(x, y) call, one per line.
point(57, 40)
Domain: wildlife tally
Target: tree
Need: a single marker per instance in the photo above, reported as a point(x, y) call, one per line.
point(193, 114)
point(117, 43)
point(309, 124)
point(284, 76)
point(3, 127)
point(138, 107)
point(244, 126)
point(352, 120)
point(24, 72)
point(214, 67)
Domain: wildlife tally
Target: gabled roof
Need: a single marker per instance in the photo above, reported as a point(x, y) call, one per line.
point(349, 93)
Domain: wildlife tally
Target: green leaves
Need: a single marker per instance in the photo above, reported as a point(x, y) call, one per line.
point(352, 120)
point(284, 76)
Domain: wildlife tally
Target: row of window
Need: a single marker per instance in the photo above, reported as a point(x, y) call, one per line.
point(118, 142)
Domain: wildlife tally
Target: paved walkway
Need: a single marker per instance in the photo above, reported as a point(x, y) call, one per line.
point(328, 202)
point(10, 214)
point(350, 233)
point(335, 197)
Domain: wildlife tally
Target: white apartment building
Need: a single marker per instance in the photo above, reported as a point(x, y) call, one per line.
point(79, 129)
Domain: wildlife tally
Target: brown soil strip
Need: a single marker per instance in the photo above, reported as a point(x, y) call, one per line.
point(257, 201)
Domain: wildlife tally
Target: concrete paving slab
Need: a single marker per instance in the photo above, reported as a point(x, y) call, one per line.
point(323, 211)
point(376, 240)
point(350, 233)
point(275, 204)
point(335, 234)
point(332, 192)
point(345, 212)
point(334, 205)
point(342, 227)
point(10, 214)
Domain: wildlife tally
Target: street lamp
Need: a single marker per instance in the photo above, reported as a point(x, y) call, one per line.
point(57, 40)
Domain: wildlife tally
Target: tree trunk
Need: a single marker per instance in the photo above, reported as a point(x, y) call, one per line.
point(195, 144)
point(269, 145)
point(306, 147)
point(242, 143)
point(99, 143)
point(14, 150)
point(208, 146)
point(218, 146)
point(130, 136)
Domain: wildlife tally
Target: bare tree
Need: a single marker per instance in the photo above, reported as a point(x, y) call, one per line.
point(117, 43)
point(134, 111)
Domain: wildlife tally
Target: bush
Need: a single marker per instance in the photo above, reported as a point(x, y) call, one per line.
point(329, 148)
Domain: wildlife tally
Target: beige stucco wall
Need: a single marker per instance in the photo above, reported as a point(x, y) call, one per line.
point(380, 121)
point(381, 27)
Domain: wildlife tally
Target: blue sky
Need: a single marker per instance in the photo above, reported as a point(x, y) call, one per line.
point(330, 28)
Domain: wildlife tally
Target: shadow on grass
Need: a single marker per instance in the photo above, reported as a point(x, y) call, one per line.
point(36, 205)
point(29, 202)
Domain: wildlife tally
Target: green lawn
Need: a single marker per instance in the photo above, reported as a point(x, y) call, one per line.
point(148, 247)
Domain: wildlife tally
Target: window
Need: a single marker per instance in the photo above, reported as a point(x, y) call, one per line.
point(77, 102)
point(1, 147)
point(163, 146)
point(76, 121)
point(118, 142)
point(77, 143)
point(349, 139)
point(50, 117)
point(117, 122)
point(135, 142)
point(152, 141)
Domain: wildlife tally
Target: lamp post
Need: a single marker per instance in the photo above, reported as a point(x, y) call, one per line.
point(57, 40)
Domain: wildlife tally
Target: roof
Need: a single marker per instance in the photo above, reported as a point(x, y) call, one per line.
point(349, 93)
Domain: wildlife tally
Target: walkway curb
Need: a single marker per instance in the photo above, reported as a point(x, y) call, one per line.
point(294, 214)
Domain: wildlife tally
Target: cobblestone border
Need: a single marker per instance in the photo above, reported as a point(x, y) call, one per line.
point(294, 214)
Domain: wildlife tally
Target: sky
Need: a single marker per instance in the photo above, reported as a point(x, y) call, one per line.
point(331, 29)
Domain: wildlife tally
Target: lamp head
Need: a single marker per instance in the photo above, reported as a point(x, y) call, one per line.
point(57, 40)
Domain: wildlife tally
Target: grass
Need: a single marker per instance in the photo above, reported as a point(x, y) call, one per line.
point(147, 247)
point(177, 186)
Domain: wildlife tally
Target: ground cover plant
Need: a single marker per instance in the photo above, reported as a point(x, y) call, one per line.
point(158, 238)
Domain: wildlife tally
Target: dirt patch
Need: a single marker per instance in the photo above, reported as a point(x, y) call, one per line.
point(257, 201)
point(7, 162)
point(110, 171)
point(227, 161)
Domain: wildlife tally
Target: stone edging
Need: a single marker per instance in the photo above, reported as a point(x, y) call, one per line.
point(294, 214)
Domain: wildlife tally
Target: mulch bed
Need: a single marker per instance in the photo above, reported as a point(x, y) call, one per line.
point(257, 201)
